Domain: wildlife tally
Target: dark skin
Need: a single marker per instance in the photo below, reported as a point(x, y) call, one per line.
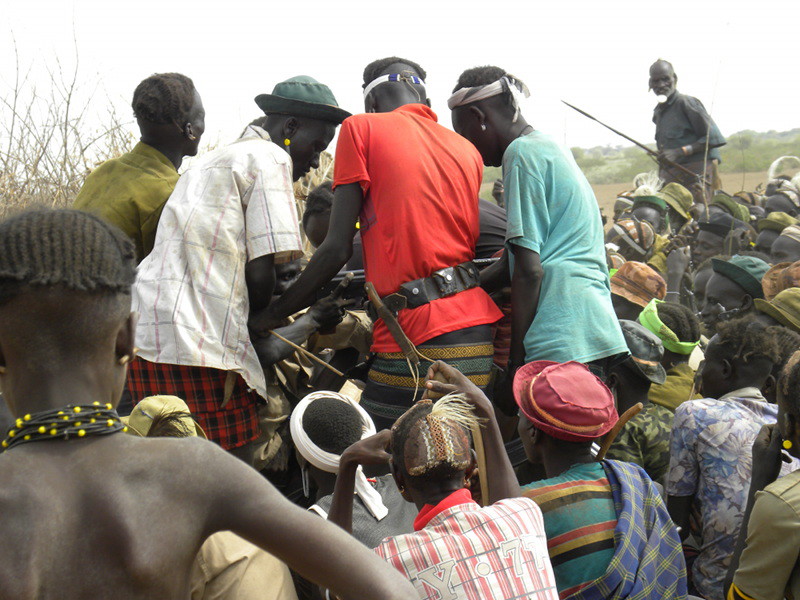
point(624, 308)
point(502, 482)
point(490, 127)
point(309, 137)
point(785, 249)
point(780, 203)
point(59, 347)
point(765, 240)
point(333, 253)
point(720, 375)
point(723, 295)
point(176, 140)
point(767, 462)
point(557, 456)
point(628, 385)
point(706, 245)
point(324, 314)
point(701, 284)
point(316, 228)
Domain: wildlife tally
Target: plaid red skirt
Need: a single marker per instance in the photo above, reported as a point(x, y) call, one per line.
point(203, 389)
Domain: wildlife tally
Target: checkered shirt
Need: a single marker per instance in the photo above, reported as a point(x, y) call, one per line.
point(471, 553)
point(203, 389)
point(231, 206)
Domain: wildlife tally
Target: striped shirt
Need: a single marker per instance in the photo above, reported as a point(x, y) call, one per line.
point(467, 552)
point(579, 518)
point(233, 205)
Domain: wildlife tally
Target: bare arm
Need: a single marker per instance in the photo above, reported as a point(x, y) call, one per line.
point(242, 501)
point(259, 275)
point(331, 256)
point(369, 451)
point(526, 284)
point(502, 481)
point(495, 276)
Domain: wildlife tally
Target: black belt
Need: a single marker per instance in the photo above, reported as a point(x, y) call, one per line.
point(441, 284)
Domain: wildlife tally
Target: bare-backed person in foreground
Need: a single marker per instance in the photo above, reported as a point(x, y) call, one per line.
point(89, 512)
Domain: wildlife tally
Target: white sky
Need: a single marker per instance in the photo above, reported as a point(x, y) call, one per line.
point(739, 58)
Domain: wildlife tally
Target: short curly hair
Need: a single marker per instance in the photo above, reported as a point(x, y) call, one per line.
point(332, 425)
point(747, 340)
point(479, 76)
point(319, 201)
point(164, 98)
point(376, 67)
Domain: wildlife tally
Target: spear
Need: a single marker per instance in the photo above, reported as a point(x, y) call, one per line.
point(633, 141)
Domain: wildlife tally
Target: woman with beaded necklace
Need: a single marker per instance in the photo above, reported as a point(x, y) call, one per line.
point(88, 513)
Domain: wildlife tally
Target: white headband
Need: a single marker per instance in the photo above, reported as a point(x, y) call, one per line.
point(506, 83)
point(409, 79)
point(329, 462)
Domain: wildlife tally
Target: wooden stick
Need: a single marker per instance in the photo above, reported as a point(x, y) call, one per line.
point(627, 416)
point(483, 476)
point(305, 352)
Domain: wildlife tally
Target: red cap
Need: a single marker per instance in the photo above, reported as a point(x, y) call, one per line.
point(565, 400)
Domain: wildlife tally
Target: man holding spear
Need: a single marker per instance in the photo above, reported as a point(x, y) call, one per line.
point(685, 134)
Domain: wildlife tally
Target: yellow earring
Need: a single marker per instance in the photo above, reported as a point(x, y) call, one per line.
point(287, 142)
point(787, 445)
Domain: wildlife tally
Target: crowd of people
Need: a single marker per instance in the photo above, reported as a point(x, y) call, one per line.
point(390, 388)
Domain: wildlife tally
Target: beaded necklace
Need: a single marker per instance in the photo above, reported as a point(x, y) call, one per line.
point(71, 421)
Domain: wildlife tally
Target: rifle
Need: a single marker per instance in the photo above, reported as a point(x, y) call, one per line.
point(356, 289)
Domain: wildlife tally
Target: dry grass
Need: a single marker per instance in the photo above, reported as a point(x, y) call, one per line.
point(51, 138)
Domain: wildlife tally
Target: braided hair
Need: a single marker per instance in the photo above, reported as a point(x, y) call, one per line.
point(164, 98)
point(332, 425)
point(431, 441)
point(319, 201)
point(747, 340)
point(376, 67)
point(789, 385)
point(682, 321)
point(67, 248)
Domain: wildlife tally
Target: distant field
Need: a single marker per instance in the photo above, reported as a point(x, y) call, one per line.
point(607, 192)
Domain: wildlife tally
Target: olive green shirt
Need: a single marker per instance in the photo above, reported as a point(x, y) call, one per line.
point(769, 567)
point(130, 192)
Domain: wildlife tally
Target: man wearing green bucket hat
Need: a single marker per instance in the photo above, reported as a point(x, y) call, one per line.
point(733, 287)
point(230, 220)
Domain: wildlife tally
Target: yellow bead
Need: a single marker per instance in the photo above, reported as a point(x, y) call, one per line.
point(53, 431)
point(95, 404)
point(109, 407)
point(81, 433)
point(124, 430)
point(12, 433)
point(77, 409)
point(42, 429)
point(27, 437)
point(61, 412)
point(5, 444)
point(19, 423)
point(27, 417)
point(110, 423)
point(65, 418)
point(78, 424)
point(92, 420)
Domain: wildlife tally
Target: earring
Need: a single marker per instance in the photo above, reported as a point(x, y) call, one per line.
point(124, 360)
point(466, 482)
point(483, 126)
point(787, 444)
point(287, 142)
point(401, 488)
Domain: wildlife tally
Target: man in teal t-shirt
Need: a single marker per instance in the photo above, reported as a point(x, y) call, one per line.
point(560, 293)
point(552, 212)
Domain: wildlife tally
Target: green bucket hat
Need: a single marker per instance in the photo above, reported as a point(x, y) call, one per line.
point(746, 271)
point(678, 197)
point(303, 96)
point(732, 207)
point(777, 221)
point(784, 308)
point(652, 322)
